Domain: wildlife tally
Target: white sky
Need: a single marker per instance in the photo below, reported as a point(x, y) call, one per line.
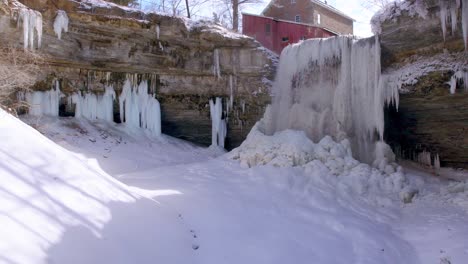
point(352, 8)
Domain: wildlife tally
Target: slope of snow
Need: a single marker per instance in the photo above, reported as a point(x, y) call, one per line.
point(47, 192)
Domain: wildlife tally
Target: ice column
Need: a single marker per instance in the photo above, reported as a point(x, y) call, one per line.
point(465, 22)
point(61, 23)
point(443, 17)
point(218, 125)
point(216, 66)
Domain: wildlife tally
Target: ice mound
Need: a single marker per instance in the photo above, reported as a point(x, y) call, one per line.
point(327, 160)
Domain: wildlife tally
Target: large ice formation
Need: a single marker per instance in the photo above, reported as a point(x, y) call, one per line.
point(333, 87)
point(44, 103)
point(92, 106)
point(138, 108)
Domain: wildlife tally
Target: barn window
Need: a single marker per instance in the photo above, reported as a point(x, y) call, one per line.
point(293, 1)
point(297, 18)
point(318, 19)
point(267, 29)
point(285, 39)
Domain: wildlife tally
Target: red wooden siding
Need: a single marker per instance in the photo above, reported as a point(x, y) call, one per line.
point(281, 33)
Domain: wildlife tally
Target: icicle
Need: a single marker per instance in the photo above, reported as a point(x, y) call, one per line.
point(39, 29)
point(443, 17)
point(24, 15)
point(453, 84)
point(218, 126)
point(216, 65)
point(92, 106)
point(424, 158)
point(231, 88)
point(32, 25)
point(437, 162)
point(453, 17)
point(157, 31)
point(458, 78)
point(465, 23)
point(61, 23)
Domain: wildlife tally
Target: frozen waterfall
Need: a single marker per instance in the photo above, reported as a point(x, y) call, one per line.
point(333, 87)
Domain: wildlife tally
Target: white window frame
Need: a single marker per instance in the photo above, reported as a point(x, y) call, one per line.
point(318, 19)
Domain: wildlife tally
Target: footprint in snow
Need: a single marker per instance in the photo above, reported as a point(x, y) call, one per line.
point(194, 235)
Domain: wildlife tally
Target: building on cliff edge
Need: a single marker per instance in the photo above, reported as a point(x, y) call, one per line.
point(284, 22)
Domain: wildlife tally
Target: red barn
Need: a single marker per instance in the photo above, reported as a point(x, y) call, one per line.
point(275, 34)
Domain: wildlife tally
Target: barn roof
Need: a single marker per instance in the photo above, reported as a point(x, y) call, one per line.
point(322, 4)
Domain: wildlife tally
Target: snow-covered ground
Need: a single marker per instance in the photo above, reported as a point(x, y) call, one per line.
point(96, 193)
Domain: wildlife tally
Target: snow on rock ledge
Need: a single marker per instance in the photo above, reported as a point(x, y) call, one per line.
point(394, 9)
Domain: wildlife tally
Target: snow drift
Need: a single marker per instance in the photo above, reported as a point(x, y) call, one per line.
point(47, 192)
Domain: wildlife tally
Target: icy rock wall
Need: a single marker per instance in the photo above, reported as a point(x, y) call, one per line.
point(333, 87)
point(121, 40)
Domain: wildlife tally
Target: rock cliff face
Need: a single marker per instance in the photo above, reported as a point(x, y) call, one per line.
point(430, 118)
point(106, 43)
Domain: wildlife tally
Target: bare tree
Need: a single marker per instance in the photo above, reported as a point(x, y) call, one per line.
point(230, 9)
point(177, 7)
point(18, 70)
point(376, 4)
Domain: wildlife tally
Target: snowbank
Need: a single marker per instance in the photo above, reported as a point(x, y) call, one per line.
point(57, 206)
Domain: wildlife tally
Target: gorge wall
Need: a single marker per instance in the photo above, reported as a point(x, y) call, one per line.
point(432, 120)
point(105, 44)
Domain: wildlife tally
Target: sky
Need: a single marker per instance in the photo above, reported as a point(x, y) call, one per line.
point(353, 8)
